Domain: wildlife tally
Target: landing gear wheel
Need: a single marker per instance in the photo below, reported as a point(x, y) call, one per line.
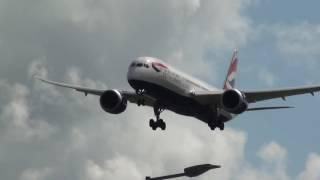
point(154, 128)
point(221, 126)
point(153, 124)
point(162, 124)
point(214, 121)
point(159, 122)
point(212, 126)
point(141, 102)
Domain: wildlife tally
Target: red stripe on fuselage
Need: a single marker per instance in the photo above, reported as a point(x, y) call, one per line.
point(159, 65)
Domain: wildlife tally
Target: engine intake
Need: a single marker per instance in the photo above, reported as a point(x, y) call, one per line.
point(234, 101)
point(113, 102)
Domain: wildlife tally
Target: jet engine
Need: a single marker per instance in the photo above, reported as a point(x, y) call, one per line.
point(113, 102)
point(234, 101)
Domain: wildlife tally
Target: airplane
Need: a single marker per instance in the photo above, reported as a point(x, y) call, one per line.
point(158, 85)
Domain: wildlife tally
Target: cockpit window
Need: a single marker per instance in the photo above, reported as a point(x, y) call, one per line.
point(139, 65)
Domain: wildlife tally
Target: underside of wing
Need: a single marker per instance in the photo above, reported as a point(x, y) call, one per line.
point(211, 97)
point(268, 108)
point(207, 97)
point(139, 99)
point(255, 96)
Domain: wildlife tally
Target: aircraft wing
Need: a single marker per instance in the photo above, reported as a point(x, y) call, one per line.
point(130, 95)
point(269, 108)
point(134, 98)
point(207, 97)
point(86, 91)
point(255, 96)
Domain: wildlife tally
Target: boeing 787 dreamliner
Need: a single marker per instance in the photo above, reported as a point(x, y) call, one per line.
point(163, 87)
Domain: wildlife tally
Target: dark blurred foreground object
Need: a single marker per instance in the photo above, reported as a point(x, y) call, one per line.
point(189, 172)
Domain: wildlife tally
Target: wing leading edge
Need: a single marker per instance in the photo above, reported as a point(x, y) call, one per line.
point(255, 96)
point(86, 91)
point(210, 97)
point(130, 95)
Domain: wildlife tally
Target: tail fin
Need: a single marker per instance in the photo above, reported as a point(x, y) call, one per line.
point(229, 83)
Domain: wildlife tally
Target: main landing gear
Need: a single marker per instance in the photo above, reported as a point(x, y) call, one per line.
point(154, 124)
point(215, 122)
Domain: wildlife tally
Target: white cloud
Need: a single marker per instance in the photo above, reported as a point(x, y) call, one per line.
point(312, 169)
point(37, 68)
point(189, 27)
point(120, 168)
point(299, 42)
point(79, 139)
point(16, 116)
point(267, 77)
point(74, 76)
point(143, 152)
point(108, 145)
point(97, 39)
point(273, 152)
point(275, 157)
point(35, 174)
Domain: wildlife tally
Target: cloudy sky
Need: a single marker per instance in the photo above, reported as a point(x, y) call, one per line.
point(49, 133)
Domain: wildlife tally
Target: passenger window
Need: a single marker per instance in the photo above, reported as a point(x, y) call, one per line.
point(146, 65)
point(139, 65)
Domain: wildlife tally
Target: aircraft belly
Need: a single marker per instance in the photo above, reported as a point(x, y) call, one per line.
point(161, 93)
point(176, 103)
point(173, 94)
point(226, 116)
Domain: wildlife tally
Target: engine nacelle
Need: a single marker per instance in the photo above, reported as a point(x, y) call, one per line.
point(234, 101)
point(113, 102)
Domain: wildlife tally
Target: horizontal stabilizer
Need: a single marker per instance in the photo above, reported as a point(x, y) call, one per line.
point(269, 108)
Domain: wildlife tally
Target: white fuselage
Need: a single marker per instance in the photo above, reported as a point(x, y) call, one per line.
point(173, 87)
point(153, 70)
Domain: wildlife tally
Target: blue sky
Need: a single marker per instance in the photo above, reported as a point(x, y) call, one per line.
point(288, 12)
point(297, 129)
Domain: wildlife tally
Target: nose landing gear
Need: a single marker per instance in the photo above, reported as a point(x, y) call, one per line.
point(141, 101)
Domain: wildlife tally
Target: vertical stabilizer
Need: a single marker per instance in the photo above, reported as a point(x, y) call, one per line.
point(229, 83)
